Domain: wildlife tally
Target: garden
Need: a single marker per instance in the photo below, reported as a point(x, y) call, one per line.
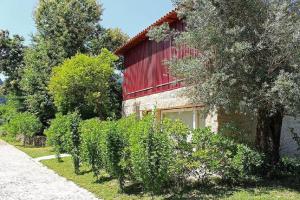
point(144, 158)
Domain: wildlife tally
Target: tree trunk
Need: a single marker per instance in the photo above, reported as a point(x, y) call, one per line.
point(268, 133)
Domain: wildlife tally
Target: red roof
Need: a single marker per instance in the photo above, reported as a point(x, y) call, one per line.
point(169, 18)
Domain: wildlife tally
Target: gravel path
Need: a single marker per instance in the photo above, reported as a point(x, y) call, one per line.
point(22, 178)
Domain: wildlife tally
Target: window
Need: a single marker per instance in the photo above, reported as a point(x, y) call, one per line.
point(193, 118)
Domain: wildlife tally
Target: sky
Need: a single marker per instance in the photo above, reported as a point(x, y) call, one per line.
point(132, 16)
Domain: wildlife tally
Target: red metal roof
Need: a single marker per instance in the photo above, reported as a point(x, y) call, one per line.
point(169, 18)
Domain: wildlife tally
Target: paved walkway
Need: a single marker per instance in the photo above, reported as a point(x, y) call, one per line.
point(22, 178)
point(51, 157)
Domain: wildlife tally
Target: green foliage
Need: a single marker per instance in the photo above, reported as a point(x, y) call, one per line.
point(82, 83)
point(179, 135)
point(25, 124)
point(11, 60)
point(10, 108)
point(115, 153)
point(63, 28)
point(151, 154)
point(93, 133)
point(59, 134)
point(67, 23)
point(75, 140)
point(219, 155)
point(289, 166)
point(39, 60)
point(110, 39)
point(247, 61)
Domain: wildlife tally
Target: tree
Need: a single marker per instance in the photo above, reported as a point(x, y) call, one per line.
point(67, 23)
point(63, 29)
point(39, 60)
point(11, 60)
point(82, 83)
point(248, 60)
point(110, 39)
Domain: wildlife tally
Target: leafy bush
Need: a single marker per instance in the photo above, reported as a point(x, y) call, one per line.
point(289, 166)
point(25, 124)
point(82, 83)
point(93, 133)
point(10, 108)
point(59, 134)
point(115, 150)
point(151, 154)
point(179, 134)
point(75, 141)
point(221, 156)
point(64, 136)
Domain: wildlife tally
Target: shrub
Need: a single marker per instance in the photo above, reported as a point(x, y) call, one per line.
point(289, 166)
point(93, 133)
point(75, 141)
point(179, 134)
point(151, 154)
point(59, 134)
point(115, 142)
point(221, 156)
point(64, 136)
point(25, 124)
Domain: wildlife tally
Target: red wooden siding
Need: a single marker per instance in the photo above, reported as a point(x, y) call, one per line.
point(145, 71)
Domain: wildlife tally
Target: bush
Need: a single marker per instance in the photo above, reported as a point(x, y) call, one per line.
point(93, 133)
point(59, 134)
point(218, 155)
point(75, 141)
point(151, 154)
point(289, 166)
point(25, 124)
point(179, 134)
point(64, 136)
point(115, 142)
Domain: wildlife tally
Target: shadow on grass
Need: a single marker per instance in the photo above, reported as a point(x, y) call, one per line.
point(83, 172)
point(133, 189)
point(224, 191)
point(103, 179)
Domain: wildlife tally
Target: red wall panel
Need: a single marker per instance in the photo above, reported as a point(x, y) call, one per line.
point(145, 71)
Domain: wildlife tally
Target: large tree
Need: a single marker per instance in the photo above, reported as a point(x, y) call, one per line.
point(63, 29)
point(11, 60)
point(67, 23)
point(82, 83)
point(248, 59)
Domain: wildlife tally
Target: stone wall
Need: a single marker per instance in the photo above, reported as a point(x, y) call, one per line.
point(175, 99)
point(288, 145)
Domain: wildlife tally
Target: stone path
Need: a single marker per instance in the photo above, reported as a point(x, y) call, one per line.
point(22, 178)
point(51, 157)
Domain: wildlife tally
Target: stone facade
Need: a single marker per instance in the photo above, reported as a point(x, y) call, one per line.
point(168, 100)
point(175, 100)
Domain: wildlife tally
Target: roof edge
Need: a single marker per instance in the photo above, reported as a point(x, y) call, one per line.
point(169, 18)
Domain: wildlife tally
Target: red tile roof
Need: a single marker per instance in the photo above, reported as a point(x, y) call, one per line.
point(169, 18)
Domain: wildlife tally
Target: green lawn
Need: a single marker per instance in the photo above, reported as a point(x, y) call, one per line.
point(107, 189)
point(33, 152)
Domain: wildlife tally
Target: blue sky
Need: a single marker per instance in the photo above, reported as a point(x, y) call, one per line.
point(131, 16)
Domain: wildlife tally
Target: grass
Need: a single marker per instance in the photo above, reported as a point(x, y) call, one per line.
point(104, 188)
point(33, 152)
point(285, 189)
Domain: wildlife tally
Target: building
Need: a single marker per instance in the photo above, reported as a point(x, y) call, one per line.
point(148, 85)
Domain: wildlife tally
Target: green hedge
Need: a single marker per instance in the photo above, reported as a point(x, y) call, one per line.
point(156, 154)
point(25, 124)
